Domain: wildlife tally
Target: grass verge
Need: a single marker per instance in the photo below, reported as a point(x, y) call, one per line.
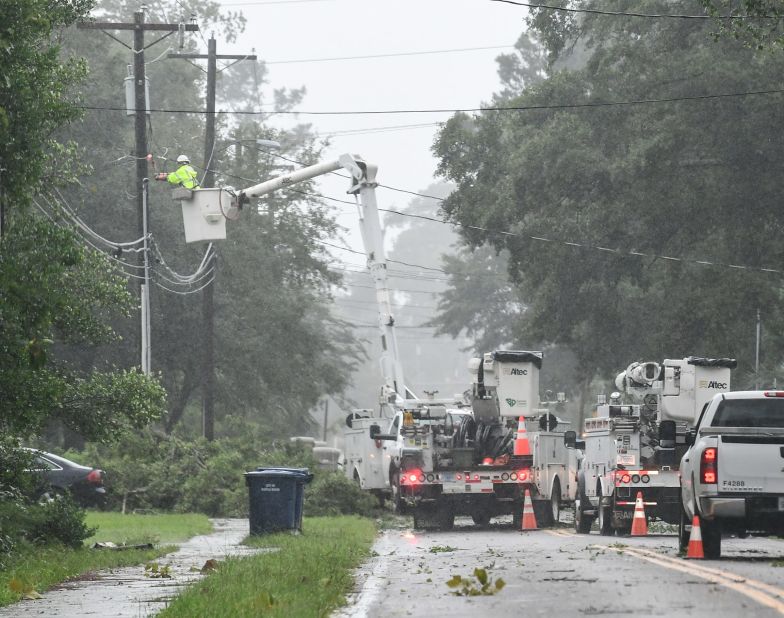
point(306, 575)
point(33, 569)
point(134, 529)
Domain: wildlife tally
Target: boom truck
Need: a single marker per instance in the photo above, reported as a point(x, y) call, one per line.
point(438, 457)
point(636, 447)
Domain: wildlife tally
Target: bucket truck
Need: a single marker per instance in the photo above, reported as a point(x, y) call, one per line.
point(426, 457)
point(631, 448)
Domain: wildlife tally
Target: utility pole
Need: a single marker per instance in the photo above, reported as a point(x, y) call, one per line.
point(207, 305)
point(139, 28)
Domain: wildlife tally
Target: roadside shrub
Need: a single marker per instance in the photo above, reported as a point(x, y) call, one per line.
point(58, 521)
point(331, 493)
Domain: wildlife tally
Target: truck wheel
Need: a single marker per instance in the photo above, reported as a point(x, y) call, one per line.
point(446, 519)
point(684, 531)
point(582, 522)
point(398, 505)
point(481, 519)
point(605, 517)
point(517, 515)
point(542, 513)
point(555, 502)
point(711, 538)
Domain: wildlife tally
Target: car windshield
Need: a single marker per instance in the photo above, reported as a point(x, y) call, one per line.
point(750, 413)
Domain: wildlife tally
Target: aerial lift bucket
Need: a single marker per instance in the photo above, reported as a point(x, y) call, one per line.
point(204, 213)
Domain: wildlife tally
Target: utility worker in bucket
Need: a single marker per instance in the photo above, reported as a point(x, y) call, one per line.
point(185, 175)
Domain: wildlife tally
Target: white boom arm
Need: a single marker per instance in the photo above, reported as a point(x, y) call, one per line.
point(363, 183)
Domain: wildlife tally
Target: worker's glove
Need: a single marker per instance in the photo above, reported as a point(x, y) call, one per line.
point(161, 176)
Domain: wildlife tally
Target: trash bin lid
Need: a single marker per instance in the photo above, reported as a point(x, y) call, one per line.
point(291, 473)
point(302, 470)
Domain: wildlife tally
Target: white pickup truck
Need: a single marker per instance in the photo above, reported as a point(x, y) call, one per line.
point(732, 475)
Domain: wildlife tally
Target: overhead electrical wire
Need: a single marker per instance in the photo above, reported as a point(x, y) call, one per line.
point(390, 55)
point(550, 7)
point(455, 110)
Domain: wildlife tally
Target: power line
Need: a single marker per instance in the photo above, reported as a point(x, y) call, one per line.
point(390, 55)
point(455, 110)
point(581, 245)
point(563, 9)
point(263, 2)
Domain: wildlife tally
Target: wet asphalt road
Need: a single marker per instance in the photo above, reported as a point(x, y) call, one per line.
point(559, 573)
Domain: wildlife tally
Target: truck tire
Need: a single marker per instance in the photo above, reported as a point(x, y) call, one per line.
point(433, 518)
point(517, 515)
point(711, 538)
point(582, 522)
point(605, 515)
point(481, 519)
point(398, 505)
point(684, 531)
point(542, 513)
point(555, 502)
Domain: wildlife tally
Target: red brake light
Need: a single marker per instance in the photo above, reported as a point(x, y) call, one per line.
point(709, 466)
point(412, 477)
point(774, 393)
point(95, 477)
point(522, 475)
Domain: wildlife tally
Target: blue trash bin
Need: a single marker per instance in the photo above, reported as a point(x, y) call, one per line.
point(276, 498)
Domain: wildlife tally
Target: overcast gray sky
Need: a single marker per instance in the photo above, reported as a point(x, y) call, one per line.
point(289, 30)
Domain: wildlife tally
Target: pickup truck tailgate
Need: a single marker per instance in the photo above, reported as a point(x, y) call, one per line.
point(751, 461)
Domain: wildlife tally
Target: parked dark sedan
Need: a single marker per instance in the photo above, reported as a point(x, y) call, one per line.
point(59, 475)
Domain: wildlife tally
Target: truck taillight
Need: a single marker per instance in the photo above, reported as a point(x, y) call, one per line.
point(709, 466)
point(413, 477)
point(774, 393)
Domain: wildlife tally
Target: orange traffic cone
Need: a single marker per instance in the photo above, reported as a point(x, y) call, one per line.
point(529, 518)
point(695, 540)
point(521, 446)
point(639, 524)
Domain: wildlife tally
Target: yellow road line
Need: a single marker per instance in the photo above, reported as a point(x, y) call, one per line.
point(760, 592)
point(560, 533)
point(722, 573)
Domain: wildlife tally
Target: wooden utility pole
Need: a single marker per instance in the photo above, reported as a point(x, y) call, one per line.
point(139, 27)
point(207, 306)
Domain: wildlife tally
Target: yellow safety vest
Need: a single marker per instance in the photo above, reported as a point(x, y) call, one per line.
point(185, 176)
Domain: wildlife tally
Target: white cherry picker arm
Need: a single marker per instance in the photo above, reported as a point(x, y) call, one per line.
point(363, 184)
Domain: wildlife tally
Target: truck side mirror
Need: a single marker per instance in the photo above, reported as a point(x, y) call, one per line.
point(570, 439)
point(374, 430)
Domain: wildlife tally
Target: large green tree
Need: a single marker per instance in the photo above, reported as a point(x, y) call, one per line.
point(277, 349)
point(597, 197)
point(55, 293)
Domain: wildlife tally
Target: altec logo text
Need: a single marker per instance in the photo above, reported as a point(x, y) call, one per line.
point(713, 384)
point(519, 372)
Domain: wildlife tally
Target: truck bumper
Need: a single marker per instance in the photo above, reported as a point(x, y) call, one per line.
point(711, 508)
point(745, 514)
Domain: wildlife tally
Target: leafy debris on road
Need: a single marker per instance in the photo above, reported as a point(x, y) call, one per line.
point(436, 549)
point(157, 571)
point(27, 590)
point(466, 587)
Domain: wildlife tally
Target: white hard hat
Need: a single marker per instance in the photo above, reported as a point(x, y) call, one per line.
point(183, 159)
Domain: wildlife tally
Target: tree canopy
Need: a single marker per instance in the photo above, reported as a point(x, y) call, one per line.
point(56, 294)
point(628, 186)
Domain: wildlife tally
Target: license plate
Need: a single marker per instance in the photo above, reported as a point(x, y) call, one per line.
point(781, 503)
